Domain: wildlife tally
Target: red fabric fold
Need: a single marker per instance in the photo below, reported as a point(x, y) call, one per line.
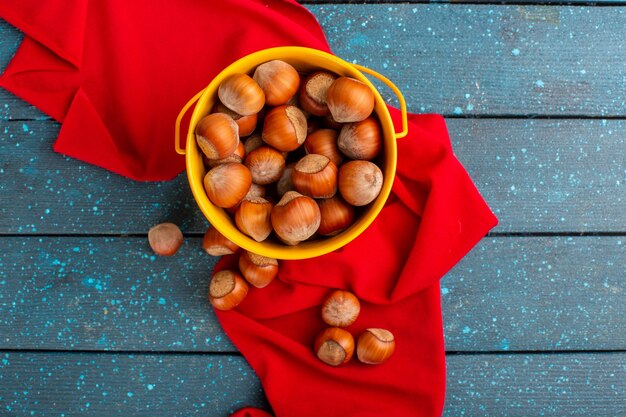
point(116, 73)
point(433, 217)
point(134, 65)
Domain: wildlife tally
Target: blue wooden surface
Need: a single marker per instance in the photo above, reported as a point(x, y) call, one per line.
point(92, 322)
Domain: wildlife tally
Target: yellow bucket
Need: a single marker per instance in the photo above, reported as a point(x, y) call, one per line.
point(304, 60)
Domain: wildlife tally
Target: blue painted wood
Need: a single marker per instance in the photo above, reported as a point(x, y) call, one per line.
point(543, 293)
point(106, 294)
point(547, 175)
point(478, 59)
point(207, 385)
point(537, 175)
point(583, 384)
point(172, 385)
point(496, 2)
point(537, 294)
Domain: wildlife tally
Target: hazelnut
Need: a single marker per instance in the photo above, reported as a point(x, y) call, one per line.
point(360, 182)
point(349, 100)
point(165, 239)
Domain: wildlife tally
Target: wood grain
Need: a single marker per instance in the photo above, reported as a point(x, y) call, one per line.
point(536, 385)
point(494, 2)
point(472, 59)
point(537, 293)
point(544, 293)
point(173, 385)
point(214, 386)
point(537, 176)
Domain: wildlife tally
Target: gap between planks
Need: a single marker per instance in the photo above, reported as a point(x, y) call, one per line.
point(571, 3)
point(237, 353)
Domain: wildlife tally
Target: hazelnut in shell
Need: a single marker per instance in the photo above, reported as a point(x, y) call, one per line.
point(316, 176)
point(252, 143)
point(241, 94)
point(349, 100)
point(165, 239)
point(324, 142)
point(266, 165)
point(284, 128)
point(253, 218)
point(361, 140)
point(217, 135)
point(278, 80)
point(313, 92)
point(227, 184)
point(334, 346)
point(340, 308)
point(258, 270)
point(375, 346)
point(336, 216)
point(227, 290)
point(295, 217)
point(360, 182)
point(216, 244)
point(285, 183)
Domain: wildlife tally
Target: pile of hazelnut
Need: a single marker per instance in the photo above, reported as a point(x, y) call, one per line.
point(304, 142)
point(228, 288)
point(334, 345)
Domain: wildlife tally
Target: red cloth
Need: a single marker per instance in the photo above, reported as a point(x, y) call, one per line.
point(116, 74)
point(433, 217)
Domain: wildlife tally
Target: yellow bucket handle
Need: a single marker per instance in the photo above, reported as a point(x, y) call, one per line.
point(396, 90)
point(180, 150)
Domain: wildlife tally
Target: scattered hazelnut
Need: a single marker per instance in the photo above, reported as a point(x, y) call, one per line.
point(227, 290)
point(165, 239)
point(258, 270)
point(340, 308)
point(334, 346)
point(375, 346)
point(216, 244)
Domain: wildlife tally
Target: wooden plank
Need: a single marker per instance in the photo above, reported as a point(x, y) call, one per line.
point(43, 192)
point(547, 293)
point(69, 384)
point(525, 2)
point(106, 294)
point(209, 385)
point(536, 385)
point(476, 59)
point(537, 293)
point(547, 175)
point(495, 2)
point(537, 175)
